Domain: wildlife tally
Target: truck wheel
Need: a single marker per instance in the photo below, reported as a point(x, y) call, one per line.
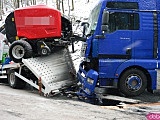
point(133, 82)
point(14, 81)
point(20, 49)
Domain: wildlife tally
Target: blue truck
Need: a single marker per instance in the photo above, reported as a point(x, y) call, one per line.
point(122, 47)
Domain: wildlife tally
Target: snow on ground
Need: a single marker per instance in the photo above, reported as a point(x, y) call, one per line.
point(82, 8)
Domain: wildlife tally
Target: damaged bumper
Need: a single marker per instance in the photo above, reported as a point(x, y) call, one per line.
point(88, 79)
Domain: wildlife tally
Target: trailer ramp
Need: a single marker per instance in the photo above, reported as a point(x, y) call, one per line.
point(55, 71)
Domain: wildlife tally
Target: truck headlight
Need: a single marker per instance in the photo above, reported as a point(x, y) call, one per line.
point(90, 81)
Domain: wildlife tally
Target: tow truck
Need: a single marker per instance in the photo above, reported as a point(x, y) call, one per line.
point(35, 50)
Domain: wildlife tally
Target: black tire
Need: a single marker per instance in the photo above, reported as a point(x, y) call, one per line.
point(14, 81)
point(20, 49)
point(133, 82)
point(45, 51)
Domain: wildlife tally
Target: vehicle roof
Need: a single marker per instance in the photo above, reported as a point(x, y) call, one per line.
point(153, 5)
point(37, 7)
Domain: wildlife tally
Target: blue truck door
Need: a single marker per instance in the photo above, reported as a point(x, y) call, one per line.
point(115, 45)
point(118, 40)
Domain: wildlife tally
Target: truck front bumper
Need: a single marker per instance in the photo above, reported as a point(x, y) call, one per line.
point(88, 79)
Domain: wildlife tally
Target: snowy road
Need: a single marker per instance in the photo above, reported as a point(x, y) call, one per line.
point(28, 105)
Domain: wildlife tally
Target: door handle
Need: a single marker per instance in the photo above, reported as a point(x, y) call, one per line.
point(128, 51)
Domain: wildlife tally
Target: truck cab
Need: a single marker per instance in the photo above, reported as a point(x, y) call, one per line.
point(121, 49)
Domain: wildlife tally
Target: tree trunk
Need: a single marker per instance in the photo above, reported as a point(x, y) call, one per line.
point(72, 5)
point(69, 8)
point(27, 2)
point(16, 4)
point(34, 2)
point(62, 7)
point(31, 2)
point(1, 2)
point(58, 4)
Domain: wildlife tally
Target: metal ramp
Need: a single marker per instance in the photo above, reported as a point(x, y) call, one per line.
point(55, 71)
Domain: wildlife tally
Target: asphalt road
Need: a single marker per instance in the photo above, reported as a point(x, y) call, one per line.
point(29, 105)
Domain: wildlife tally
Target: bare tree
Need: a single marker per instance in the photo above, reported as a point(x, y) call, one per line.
point(27, 2)
point(34, 2)
point(58, 4)
point(16, 3)
point(72, 5)
point(1, 9)
point(62, 6)
point(69, 7)
point(9, 3)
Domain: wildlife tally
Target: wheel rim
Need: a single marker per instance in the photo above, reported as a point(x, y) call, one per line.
point(12, 79)
point(44, 51)
point(18, 52)
point(134, 82)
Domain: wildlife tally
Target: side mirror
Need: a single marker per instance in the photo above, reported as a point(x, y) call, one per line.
point(104, 28)
point(105, 17)
point(105, 21)
point(85, 27)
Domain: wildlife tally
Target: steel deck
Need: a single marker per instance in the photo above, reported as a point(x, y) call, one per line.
point(55, 70)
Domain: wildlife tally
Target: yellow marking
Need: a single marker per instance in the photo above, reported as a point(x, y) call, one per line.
point(12, 19)
point(17, 38)
point(42, 46)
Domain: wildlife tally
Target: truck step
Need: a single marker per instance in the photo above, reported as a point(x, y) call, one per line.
point(158, 79)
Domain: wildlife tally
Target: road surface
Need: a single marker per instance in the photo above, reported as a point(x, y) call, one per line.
point(29, 105)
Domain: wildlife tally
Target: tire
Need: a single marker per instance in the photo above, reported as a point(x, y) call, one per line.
point(20, 49)
point(14, 81)
point(45, 51)
point(133, 82)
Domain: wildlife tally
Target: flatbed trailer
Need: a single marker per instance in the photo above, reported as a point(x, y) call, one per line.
point(49, 74)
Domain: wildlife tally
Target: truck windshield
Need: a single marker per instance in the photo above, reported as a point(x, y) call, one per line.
point(92, 20)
